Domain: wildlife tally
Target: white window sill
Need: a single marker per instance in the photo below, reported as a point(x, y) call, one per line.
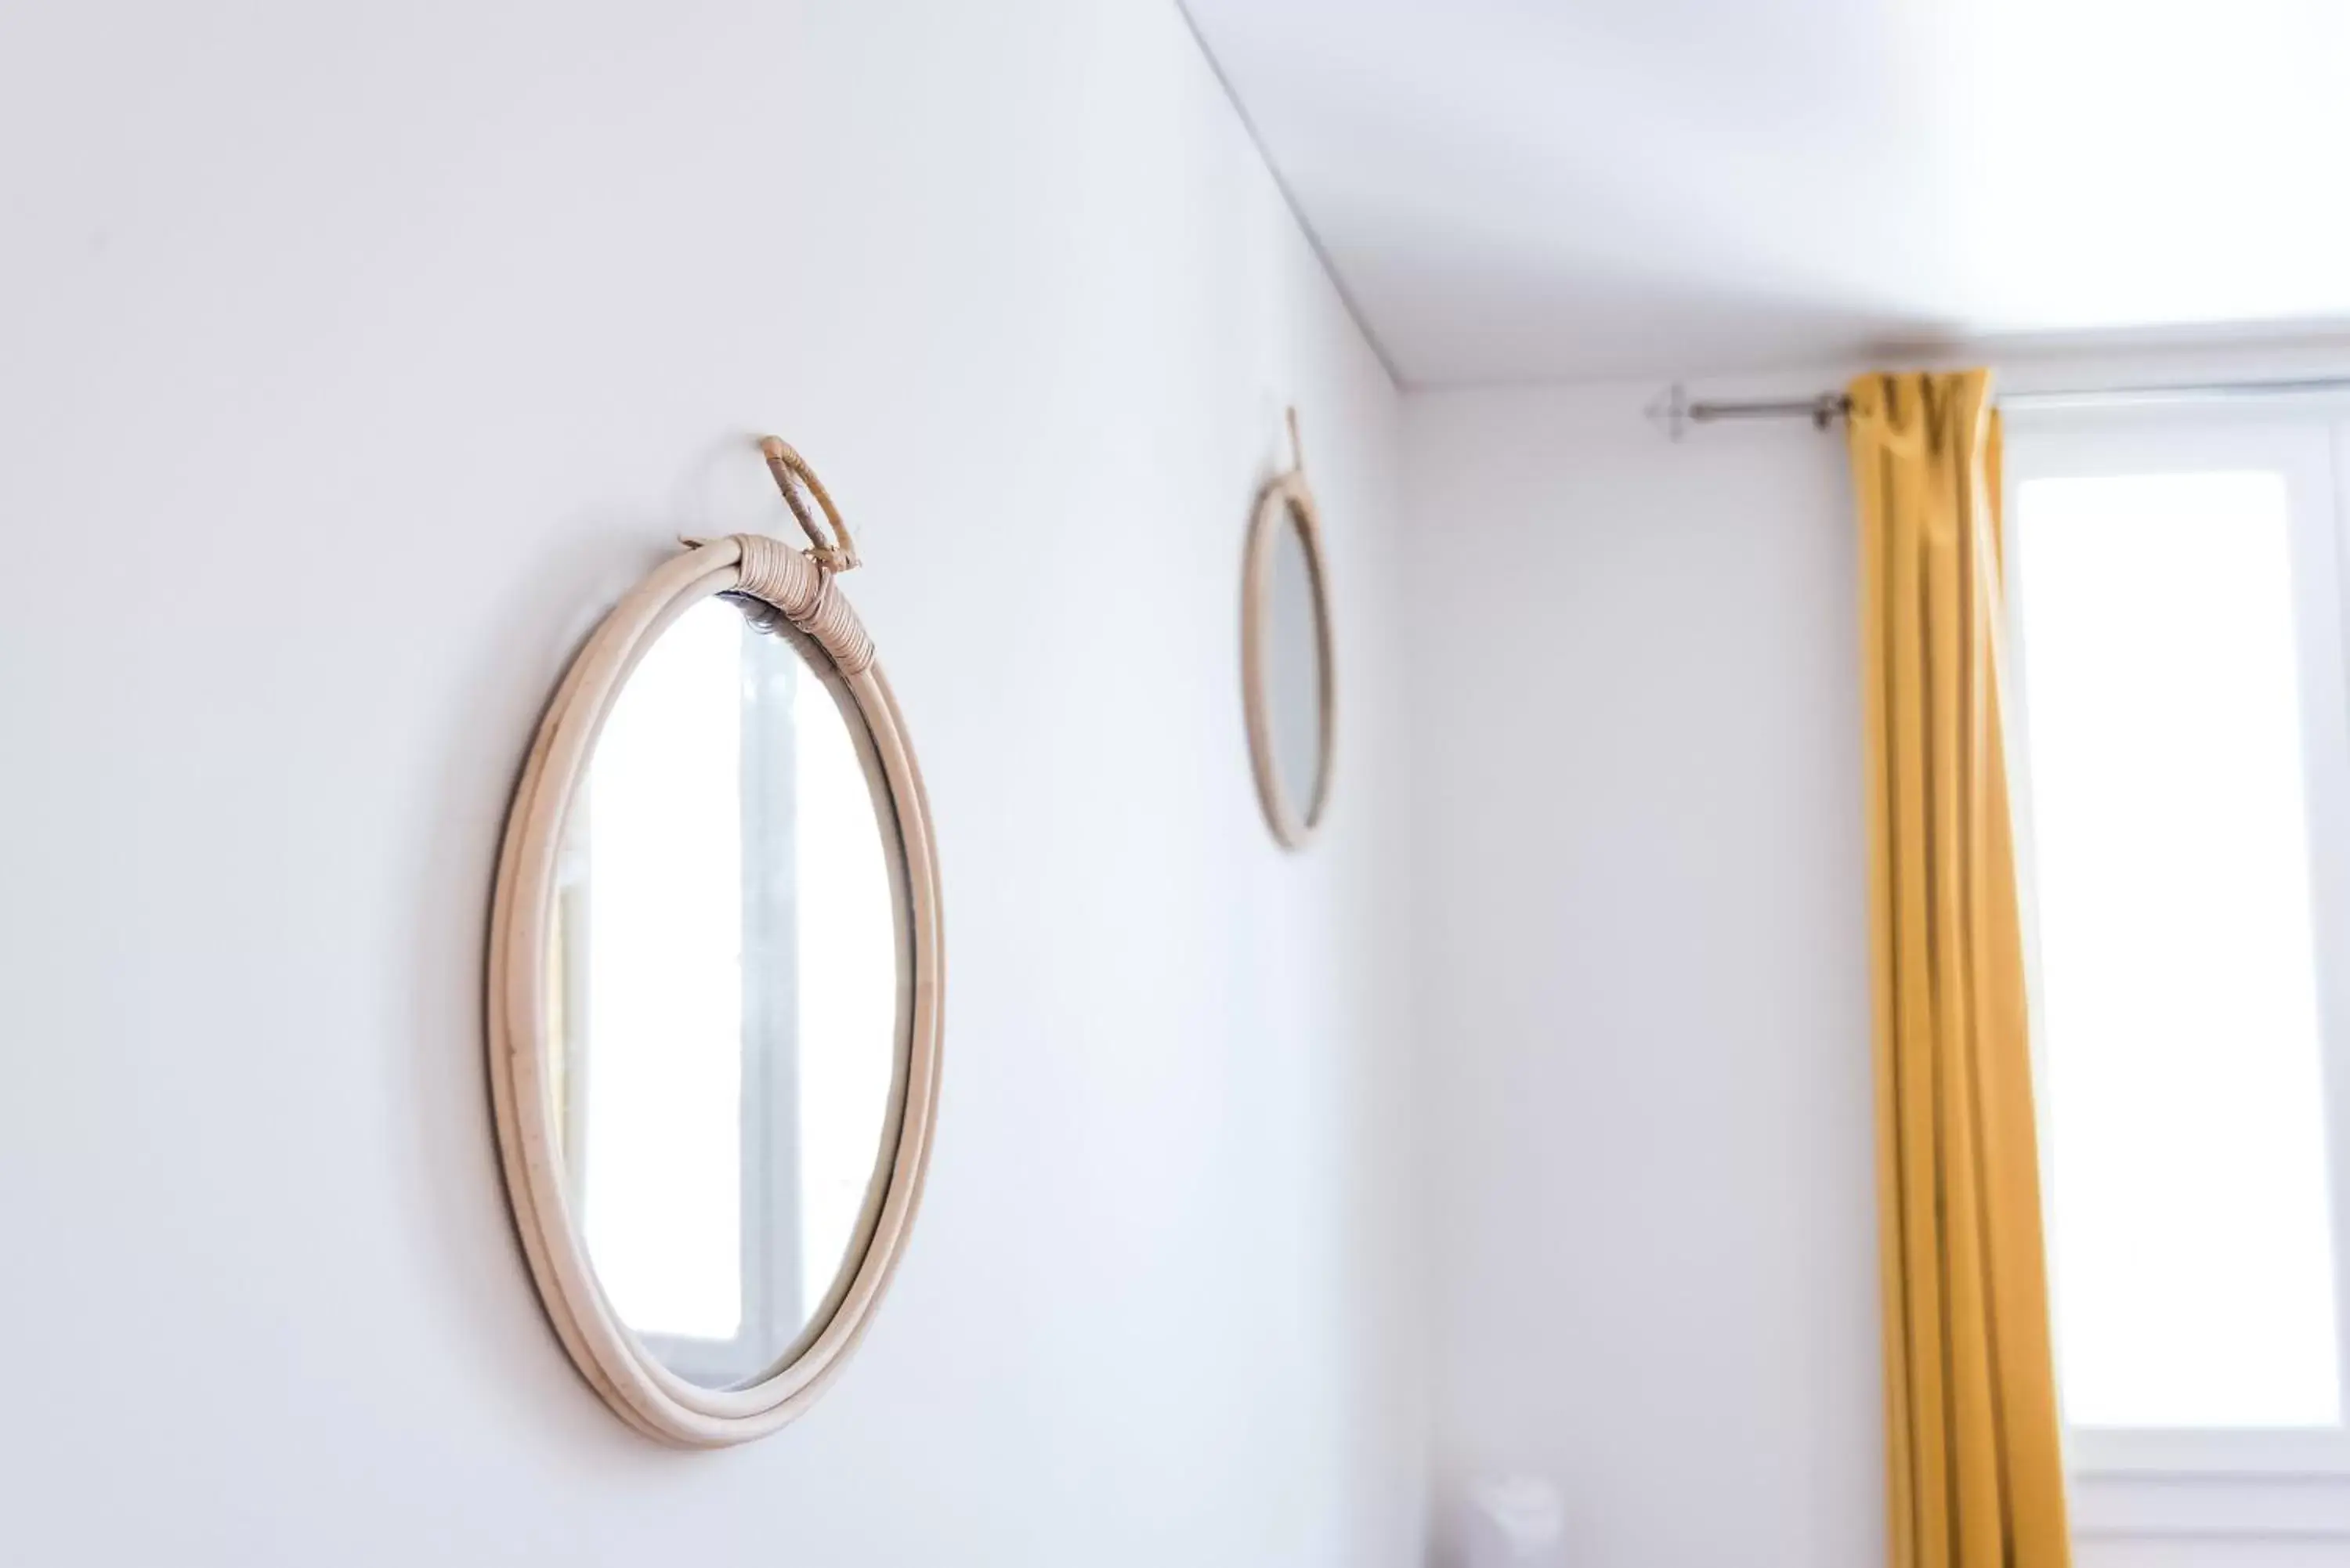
point(2310, 1505)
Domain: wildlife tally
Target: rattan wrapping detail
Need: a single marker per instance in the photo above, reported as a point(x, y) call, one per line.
point(804, 594)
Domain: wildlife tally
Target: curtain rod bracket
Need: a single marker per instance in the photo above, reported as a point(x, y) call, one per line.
point(1668, 412)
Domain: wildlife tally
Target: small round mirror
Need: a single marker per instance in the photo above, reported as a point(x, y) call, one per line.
point(715, 960)
point(726, 996)
point(1285, 661)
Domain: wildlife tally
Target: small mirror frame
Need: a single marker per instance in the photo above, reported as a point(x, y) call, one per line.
point(1282, 501)
point(643, 1392)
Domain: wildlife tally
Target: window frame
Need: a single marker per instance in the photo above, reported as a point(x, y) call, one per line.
point(2211, 1481)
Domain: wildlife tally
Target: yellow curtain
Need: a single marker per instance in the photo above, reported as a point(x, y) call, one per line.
point(1975, 1471)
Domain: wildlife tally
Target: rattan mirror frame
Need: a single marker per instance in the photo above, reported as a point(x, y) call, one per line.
point(641, 1391)
point(1285, 501)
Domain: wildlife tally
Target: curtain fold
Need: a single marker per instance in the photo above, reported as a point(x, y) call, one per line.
point(1975, 1468)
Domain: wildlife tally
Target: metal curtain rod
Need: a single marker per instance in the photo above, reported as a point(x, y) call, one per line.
point(1675, 410)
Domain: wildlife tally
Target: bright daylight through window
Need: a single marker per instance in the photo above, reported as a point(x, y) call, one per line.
point(2181, 693)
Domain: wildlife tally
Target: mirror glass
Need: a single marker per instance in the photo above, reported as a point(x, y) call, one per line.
point(725, 995)
point(1294, 668)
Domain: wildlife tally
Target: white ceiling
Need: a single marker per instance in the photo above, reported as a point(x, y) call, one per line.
point(1512, 190)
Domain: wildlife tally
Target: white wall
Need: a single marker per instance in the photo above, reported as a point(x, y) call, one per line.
point(351, 360)
point(1646, 1010)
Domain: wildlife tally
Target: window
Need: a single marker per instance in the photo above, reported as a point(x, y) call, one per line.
point(2183, 769)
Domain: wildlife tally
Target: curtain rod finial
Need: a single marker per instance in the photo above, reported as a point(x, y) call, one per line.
point(1668, 412)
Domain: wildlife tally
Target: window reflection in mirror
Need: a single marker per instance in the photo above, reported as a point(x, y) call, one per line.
point(726, 995)
point(1296, 667)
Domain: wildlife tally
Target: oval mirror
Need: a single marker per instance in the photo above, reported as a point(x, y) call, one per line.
point(1290, 687)
point(714, 1024)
